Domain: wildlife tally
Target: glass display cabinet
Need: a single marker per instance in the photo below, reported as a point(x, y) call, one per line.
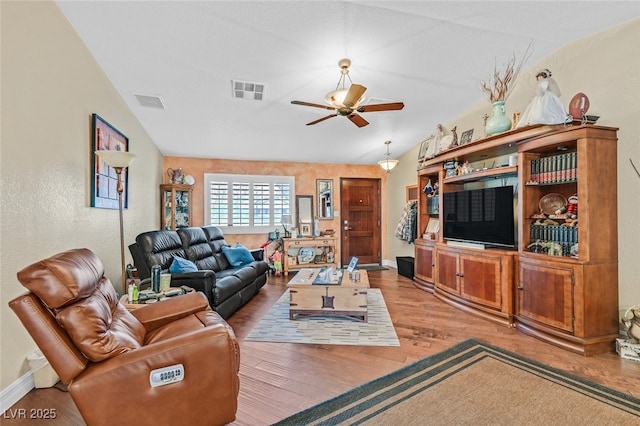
point(175, 206)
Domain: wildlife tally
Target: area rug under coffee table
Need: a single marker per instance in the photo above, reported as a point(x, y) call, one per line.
point(276, 326)
point(474, 383)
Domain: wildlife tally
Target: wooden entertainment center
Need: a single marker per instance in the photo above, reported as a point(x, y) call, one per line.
point(560, 282)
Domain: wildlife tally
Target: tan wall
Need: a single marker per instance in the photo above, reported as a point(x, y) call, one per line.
point(304, 173)
point(50, 87)
point(602, 67)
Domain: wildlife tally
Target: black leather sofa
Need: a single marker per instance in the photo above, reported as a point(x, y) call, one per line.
point(227, 288)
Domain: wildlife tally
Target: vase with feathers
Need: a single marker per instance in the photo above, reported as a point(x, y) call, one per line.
point(498, 88)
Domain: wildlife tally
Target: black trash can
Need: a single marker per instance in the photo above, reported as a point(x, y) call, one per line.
point(405, 266)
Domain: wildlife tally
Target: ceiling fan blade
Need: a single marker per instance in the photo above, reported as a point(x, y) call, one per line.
point(354, 94)
point(322, 119)
point(393, 106)
point(312, 104)
point(357, 120)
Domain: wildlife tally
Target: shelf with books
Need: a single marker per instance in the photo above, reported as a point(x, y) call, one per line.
point(567, 263)
point(554, 169)
point(550, 177)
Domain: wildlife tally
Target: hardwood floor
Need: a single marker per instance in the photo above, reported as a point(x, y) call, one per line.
point(280, 379)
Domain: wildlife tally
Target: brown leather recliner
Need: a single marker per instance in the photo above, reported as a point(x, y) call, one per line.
point(109, 355)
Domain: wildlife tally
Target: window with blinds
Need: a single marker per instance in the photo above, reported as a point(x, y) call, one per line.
point(247, 203)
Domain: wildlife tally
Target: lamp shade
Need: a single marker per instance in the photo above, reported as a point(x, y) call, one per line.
point(116, 158)
point(388, 164)
point(286, 219)
point(336, 97)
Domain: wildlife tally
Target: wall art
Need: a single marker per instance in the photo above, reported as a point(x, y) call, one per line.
point(104, 181)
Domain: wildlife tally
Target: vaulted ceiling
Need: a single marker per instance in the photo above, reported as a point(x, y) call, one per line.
point(431, 55)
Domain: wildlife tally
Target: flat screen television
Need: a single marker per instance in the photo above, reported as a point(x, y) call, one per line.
point(483, 216)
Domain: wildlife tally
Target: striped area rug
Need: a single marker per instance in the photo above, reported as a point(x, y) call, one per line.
point(276, 326)
point(475, 384)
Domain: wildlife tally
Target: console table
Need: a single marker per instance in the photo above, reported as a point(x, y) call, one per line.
point(292, 246)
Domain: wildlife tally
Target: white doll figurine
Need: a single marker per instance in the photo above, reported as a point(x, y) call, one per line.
point(545, 107)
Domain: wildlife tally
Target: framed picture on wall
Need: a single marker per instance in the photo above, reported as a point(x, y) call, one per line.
point(104, 181)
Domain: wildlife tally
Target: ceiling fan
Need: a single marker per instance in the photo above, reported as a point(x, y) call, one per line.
point(346, 102)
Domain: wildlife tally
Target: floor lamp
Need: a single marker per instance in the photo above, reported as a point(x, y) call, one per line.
point(119, 160)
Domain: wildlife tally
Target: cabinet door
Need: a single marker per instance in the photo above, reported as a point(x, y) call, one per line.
point(480, 280)
point(182, 213)
point(425, 262)
point(167, 220)
point(545, 295)
point(447, 272)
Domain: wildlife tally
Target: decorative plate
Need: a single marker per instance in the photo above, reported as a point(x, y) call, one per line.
point(553, 202)
point(306, 255)
point(189, 180)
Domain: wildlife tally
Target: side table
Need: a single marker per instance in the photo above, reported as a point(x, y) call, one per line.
point(124, 299)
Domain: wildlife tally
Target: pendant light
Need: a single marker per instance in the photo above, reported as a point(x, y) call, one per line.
point(388, 164)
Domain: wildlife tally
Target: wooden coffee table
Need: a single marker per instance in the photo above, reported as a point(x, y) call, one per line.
point(347, 299)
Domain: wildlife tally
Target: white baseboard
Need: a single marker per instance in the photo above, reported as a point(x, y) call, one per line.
point(16, 390)
point(389, 263)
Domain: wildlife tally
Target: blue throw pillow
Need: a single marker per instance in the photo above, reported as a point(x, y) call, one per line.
point(182, 265)
point(238, 255)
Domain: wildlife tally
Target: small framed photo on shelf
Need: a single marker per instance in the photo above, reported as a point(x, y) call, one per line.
point(305, 229)
point(466, 136)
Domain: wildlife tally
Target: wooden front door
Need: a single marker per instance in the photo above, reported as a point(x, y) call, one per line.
point(360, 220)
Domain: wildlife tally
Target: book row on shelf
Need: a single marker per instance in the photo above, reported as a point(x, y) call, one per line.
point(561, 239)
point(561, 168)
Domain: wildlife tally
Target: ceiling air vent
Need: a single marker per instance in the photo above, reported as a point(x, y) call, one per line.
point(150, 101)
point(247, 90)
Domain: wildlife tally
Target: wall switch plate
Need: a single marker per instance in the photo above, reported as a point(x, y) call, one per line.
point(166, 375)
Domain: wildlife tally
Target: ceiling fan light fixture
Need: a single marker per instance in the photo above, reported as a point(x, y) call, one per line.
point(345, 101)
point(336, 98)
point(388, 164)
